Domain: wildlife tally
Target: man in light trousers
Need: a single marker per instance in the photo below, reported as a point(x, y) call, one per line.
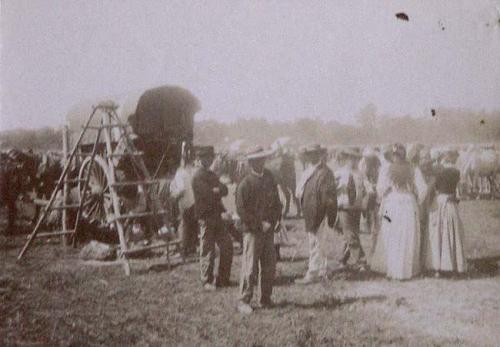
point(318, 196)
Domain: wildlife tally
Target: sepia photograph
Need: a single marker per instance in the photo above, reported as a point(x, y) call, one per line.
point(250, 173)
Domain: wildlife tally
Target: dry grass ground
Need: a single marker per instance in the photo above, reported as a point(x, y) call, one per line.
point(52, 299)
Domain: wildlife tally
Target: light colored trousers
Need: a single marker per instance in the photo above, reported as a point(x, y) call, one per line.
point(258, 254)
point(318, 260)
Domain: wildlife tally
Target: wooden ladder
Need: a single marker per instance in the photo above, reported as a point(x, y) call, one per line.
point(109, 121)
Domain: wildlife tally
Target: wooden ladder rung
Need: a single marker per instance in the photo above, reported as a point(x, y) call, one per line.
point(62, 207)
point(106, 126)
point(40, 202)
point(137, 215)
point(135, 183)
point(124, 154)
point(147, 248)
point(54, 233)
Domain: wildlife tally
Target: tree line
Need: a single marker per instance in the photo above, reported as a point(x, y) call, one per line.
point(440, 126)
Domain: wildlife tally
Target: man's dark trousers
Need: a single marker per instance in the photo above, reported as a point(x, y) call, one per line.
point(213, 232)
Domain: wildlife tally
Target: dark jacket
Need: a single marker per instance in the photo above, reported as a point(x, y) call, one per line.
point(206, 202)
point(319, 199)
point(257, 200)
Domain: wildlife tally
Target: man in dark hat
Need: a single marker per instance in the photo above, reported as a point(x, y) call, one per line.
point(208, 192)
point(351, 191)
point(259, 208)
point(317, 193)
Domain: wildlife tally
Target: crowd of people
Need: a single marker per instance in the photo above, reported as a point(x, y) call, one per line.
point(408, 201)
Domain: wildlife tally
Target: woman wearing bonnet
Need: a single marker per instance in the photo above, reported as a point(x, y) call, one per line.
point(444, 236)
point(397, 249)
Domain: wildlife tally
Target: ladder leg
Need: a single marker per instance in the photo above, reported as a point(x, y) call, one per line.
point(126, 264)
point(114, 195)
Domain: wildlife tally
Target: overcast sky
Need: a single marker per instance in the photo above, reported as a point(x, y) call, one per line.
point(273, 59)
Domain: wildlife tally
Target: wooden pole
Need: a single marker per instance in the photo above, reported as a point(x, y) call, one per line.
point(64, 238)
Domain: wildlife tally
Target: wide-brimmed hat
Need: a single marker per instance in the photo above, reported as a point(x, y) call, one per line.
point(204, 151)
point(399, 149)
point(350, 152)
point(314, 149)
point(258, 152)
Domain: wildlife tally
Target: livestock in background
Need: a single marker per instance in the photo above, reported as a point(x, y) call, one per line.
point(480, 171)
point(17, 177)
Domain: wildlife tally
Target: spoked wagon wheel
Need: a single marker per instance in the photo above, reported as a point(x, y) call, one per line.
point(98, 206)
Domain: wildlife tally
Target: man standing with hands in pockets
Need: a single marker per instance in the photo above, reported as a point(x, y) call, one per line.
point(259, 208)
point(208, 192)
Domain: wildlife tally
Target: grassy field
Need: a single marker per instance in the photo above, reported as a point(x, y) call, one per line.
point(52, 298)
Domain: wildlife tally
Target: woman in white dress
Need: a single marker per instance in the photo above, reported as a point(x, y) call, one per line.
point(397, 249)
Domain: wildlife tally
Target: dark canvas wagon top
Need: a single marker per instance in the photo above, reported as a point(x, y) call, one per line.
point(165, 114)
point(161, 117)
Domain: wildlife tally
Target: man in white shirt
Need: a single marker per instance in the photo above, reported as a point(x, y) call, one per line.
point(182, 191)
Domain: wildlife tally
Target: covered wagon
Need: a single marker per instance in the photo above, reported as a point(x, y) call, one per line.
point(123, 151)
point(159, 124)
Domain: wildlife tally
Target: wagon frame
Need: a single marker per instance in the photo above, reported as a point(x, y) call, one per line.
point(100, 177)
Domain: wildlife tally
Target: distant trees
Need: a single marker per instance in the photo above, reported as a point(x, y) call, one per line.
point(39, 139)
point(444, 125)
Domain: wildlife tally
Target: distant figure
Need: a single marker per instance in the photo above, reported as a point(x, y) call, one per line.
point(318, 195)
point(444, 240)
point(208, 192)
point(397, 247)
point(369, 166)
point(351, 192)
point(259, 207)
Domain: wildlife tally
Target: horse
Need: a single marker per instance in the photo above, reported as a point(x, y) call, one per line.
point(48, 171)
point(17, 177)
point(282, 166)
point(480, 169)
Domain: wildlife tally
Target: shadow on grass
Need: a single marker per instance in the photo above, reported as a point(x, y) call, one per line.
point(165, 266)
point(286, 280)
point(345, 274)
point(352, 274)
point(477, 268)
point(331, 302)
point(482, 267)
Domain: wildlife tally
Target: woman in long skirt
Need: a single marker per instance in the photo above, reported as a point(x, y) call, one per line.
point(443, 241)
point(397, 249)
